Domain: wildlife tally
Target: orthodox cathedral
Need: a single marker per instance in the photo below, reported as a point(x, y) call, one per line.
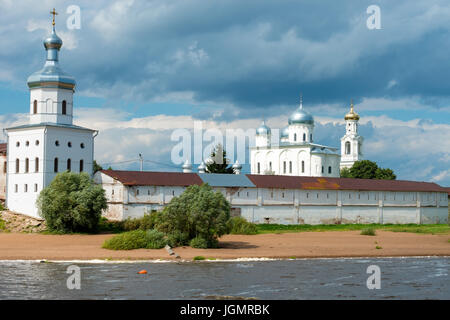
point(294, 152)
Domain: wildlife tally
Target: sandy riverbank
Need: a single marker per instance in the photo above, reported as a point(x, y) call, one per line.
point(20, 246)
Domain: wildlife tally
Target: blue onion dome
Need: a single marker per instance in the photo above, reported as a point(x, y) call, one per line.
point(51, 75)
point(300, 116)
point(53, 41)
point(285, 132)
point(263, 129)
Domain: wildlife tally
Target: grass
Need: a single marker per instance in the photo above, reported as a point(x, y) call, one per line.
point(378, 247)
point(368, 232)
point(2, 225)
point(199, 258)
point(414, 228)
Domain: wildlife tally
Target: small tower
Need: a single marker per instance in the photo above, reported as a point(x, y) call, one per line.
point(237, 167)
point(351, 142)
point(263, 135)
point(51, 89)
point(202, 168)
point(187, 167)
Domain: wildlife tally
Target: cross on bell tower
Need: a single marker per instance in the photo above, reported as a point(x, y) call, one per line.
point(54, 13)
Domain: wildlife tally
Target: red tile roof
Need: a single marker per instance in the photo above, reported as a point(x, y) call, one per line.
point(148, 178)
point(318, 183)
point(3, 147)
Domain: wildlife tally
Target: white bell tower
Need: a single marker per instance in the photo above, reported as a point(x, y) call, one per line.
point(351, 142)
point(50, 143)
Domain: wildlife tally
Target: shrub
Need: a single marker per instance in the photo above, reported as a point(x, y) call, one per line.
point(127, 241)
point(155, 239)
point(199, 243)
point(238, 225)
point(177, 238)
point(368, 232)
point(2, 206)
point(198, 212)
point(72, 203)
point(107, 226)
point(148, 221)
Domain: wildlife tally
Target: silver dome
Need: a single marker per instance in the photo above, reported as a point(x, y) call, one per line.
point(285, 132)
point(263, 129)
point(301, 116)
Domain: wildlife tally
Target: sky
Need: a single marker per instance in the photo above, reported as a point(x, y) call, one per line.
point(146, 68)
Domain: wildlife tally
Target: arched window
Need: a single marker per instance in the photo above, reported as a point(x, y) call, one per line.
point(329, 169)
point(36, 165)
point(35, 106)
point(290, 166)
point(310, 137)
point(295, 137)
point(304, 137)
point(55, 165)
point(17, 165)
point(69, 164)
point(64, 107)
point(27, 165)
point(259, 167)
point(81, 165)
point(303, 166)
point(347, 147)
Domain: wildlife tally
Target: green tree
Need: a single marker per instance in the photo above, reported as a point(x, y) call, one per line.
point(198, 212)
point(345, 173)
point(97, 167)
point(72, 202)
point(219, 161)
point(385, 174)
point(366, 169)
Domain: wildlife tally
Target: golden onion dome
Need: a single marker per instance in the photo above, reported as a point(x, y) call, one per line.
point(352, 115)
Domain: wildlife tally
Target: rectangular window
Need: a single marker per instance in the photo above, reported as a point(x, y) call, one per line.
point(137, 191)
point(4, 167)
point(329, 169)
point(35, 187)
point(25, 188)
point(16, 188)
point(284, 166)
point(322, 169)
point(259, 168)
point(290, 166)
point(303, 166)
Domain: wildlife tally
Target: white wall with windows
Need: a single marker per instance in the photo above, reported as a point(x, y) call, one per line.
point(288, 206)
point(37, 154)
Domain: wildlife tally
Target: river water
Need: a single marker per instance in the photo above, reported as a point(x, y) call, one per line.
point(401, 278)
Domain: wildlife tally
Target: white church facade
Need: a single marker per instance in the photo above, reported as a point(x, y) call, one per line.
point(295, 153)
point(50, 143)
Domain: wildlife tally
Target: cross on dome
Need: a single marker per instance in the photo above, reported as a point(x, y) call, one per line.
point(54, 13)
